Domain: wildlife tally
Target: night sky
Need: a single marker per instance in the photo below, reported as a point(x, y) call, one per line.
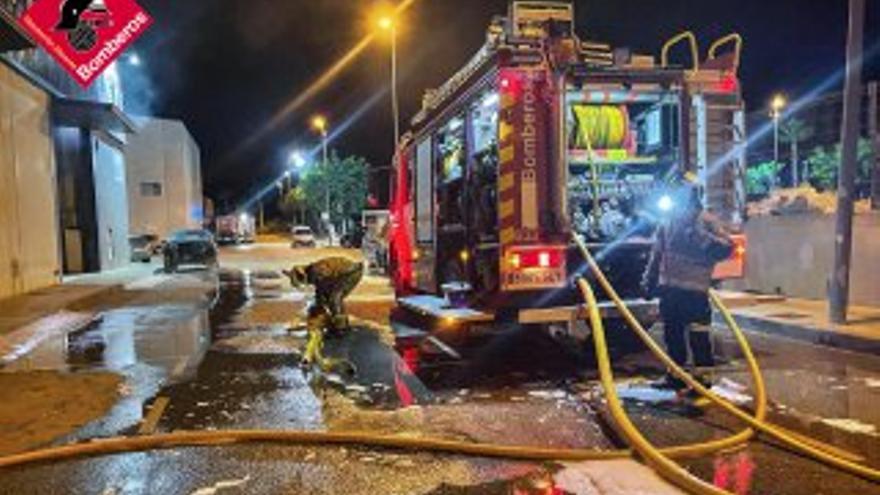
point(225, 67)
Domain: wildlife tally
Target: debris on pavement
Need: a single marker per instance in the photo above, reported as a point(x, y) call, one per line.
point(222, 485)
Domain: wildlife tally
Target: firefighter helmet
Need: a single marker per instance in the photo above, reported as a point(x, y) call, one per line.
point(71, 11)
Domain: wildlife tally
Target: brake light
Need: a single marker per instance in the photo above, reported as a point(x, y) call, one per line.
point(536, 257)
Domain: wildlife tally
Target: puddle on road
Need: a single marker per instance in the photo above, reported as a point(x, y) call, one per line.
point(171, 339)
point(148, 346)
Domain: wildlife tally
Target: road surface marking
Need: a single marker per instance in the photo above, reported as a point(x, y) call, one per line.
point(148, 426)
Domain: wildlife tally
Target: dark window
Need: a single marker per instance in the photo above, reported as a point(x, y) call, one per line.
point(151, 189)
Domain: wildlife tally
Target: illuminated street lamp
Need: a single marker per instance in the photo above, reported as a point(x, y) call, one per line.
point(387, 23)
point(320, 125)
point(777, 105)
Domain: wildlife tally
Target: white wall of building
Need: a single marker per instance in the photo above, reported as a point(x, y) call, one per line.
point(111, 205)
point(164, 178)
point(29, 246)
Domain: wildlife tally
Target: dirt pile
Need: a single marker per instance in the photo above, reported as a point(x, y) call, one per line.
point(800, 201)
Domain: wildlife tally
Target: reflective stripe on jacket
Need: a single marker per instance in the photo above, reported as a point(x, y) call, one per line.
point(681, 255)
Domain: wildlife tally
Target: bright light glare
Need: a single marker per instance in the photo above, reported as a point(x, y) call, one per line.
point(491, 100)
point(297, 159)
point(319, 123)
point(779, 102)
point(386, 23)
point(666, 203)
point(134, 59)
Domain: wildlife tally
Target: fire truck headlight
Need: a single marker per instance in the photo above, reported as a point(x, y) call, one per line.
point(666, 203)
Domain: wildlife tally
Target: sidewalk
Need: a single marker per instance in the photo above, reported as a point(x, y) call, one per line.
point(806, 320)
point(29, 319)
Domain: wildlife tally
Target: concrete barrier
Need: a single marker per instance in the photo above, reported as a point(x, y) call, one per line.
point(793, 255)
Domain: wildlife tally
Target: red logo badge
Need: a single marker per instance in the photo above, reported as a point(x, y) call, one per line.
point(85, 36)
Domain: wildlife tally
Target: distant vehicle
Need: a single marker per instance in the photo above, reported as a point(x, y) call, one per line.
point(144, 247)
point(302, 236)
point(236, 229)
point(190, 247)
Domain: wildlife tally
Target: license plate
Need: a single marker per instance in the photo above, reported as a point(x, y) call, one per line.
point(532, 279)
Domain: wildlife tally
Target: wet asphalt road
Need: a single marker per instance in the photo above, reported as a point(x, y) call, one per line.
point(207, 369)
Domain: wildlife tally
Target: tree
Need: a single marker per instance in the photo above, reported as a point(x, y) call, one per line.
point(761, 178)
point(794, 132)
point(825, 165)
point(294, 205)
point(344, 181)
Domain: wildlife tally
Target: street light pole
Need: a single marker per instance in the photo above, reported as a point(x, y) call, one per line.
point(326, 167)
point(319, 124)
point(389, 23)
point(874, 132)
point(776, 108)
point(852, 108)
point(395, 102)
point(776, 137)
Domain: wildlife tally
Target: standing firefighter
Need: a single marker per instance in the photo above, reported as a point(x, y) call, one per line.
point(686, 251)
point(334, 279)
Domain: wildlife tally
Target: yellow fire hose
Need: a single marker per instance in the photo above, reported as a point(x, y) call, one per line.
point(208, 438)
point(659, 459)
point(661, 463)
point(810, 448)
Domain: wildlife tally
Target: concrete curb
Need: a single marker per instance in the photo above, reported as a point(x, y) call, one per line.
point(808, 334)
point(18, 344)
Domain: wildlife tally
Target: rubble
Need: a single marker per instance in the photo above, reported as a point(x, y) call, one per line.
point(801, 201)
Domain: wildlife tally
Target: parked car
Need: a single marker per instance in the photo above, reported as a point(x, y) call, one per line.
point(144, 247)
point(302, 236)
point(190, 247)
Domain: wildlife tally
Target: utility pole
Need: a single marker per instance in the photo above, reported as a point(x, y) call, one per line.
point(852, 103)
point(874, 135)
point(395, 99)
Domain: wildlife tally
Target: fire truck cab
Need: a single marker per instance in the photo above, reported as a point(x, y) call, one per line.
point(542, 136)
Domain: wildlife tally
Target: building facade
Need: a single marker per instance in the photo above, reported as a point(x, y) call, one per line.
point(164, 178)
point(62, 168)
point(29, 248)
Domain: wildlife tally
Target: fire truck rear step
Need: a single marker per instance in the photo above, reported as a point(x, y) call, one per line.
point(438, 308)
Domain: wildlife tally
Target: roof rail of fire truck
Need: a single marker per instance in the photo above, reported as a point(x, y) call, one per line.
point(525, 16)
point(737, 41)
point(695, 50)
point(433, 98)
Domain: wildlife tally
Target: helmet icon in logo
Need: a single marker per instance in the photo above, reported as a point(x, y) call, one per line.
point(81, 19)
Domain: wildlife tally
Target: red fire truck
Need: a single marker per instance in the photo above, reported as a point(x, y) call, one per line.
point(541, 136)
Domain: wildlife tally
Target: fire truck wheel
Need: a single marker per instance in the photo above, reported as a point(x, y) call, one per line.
point(83, 38)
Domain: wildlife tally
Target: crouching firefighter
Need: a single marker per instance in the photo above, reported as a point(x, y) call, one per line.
point(333, 279)
point(686, 250)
